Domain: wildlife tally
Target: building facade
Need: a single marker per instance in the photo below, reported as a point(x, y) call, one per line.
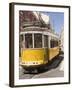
point(62, 39)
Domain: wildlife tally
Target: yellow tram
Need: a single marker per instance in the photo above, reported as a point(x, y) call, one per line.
point(39, 46)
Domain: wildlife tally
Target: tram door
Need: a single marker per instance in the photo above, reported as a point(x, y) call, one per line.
point(46, 48)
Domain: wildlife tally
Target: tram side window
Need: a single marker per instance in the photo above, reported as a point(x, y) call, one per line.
point(38, 40)
point(56, 43)
point(28, 41)
point(20, 40)
point(53, 43)
point(45, 41)
point(20, 44)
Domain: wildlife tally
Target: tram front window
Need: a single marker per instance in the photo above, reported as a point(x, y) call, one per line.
point(28, 41)
point(38, 40)
point(45, 41)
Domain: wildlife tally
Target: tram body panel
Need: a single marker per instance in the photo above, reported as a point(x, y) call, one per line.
point(53, 52)
point(34, 56)
point(38, 56)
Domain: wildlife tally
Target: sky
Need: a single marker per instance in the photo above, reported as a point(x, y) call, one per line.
point(57, 20)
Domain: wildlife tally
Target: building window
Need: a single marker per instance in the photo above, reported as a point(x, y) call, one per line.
point(37, 40)
point(28, 41)
point(45, 41)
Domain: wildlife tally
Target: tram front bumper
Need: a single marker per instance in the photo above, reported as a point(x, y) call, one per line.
point(33, 66)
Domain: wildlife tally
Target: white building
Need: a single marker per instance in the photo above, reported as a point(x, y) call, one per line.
point(62, 39)
point(43, 16)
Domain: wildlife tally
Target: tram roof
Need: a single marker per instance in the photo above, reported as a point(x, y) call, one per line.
point(34, 29)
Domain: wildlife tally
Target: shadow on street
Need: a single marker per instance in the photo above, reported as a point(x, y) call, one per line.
point(55, 62)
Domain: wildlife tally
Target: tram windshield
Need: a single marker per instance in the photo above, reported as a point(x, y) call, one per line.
point(37, 40)
point(45, 41)
point(34, 40)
